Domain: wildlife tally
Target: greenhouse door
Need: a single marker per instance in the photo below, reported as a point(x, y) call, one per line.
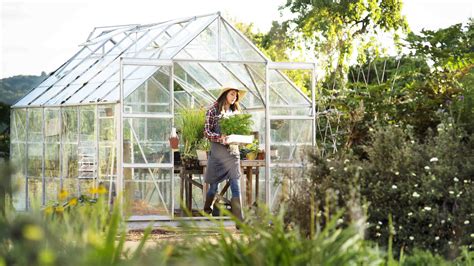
point(145, 176)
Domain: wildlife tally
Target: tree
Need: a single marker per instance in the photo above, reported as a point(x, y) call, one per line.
point(332, 27)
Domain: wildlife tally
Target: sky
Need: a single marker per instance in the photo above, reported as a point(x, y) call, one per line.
point(39, 35)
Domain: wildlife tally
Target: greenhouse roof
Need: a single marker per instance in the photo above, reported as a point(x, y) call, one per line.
point(208, 51)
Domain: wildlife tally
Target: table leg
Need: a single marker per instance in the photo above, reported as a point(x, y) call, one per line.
point(249, 186)
point(257, 172)
point(190, 194)
point(181, 192)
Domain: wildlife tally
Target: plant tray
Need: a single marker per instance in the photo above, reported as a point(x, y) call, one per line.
point(239, 139)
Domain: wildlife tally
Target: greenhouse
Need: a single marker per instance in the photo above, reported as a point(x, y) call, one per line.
point(106, 115)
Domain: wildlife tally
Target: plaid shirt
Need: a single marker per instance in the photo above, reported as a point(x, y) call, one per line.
point(212, 116)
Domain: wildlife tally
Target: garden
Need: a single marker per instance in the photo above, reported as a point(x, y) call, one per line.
point(389, 181)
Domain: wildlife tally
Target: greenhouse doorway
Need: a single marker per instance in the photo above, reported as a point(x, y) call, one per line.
point(145, 160)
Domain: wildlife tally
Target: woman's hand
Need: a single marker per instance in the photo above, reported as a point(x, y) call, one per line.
point(223, 139)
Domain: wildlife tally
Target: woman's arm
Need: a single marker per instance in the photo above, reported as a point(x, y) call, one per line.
point(210, 125)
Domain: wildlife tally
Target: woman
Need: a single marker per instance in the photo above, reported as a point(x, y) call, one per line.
point(222, 164)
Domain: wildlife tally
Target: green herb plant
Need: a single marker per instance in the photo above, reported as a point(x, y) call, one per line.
point(239, 124)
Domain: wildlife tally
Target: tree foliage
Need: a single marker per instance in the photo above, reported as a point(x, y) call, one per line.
point(333, 27)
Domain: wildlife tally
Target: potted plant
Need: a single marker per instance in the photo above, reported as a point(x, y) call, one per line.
point(190, 122)
point(237, 128)
point(202, 148)
point(252, 150)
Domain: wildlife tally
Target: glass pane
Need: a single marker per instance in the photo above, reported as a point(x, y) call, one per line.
point(283, 86)
point(51, 172)
point(290, 140)
point(281, 184)
point(152, 96)
point(32, 95)
point(148, 191)
point(204, 46)
point(51, 126)
point(184, 36)
point(87, 123)
point(18, 130)
point(70, 168)
point(35, 125)
point(234, 47)
point(69, 125)
point(107, 161)
point(146, 140)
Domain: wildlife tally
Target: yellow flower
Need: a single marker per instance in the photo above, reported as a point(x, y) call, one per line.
point(62, 194)
point(59, 209)
point(73, 202)
point(101, 189)
point(93, 190)
point(48, 210)
point(33, 232)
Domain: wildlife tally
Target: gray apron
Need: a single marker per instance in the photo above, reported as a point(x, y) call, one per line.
point(221, 165)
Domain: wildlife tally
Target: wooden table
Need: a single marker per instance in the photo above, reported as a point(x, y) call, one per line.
point(248, 169)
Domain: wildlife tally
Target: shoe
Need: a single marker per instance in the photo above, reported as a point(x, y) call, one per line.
point(208, 203)
point(236, 209)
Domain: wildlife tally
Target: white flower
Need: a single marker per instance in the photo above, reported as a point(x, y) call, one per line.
point(456, 179)
point(377, 234)
point(465, 181)
point(427, 208)
point(345, 169)
point(377, 227)
point(397, 173)
point(415, 195)
point(415, 185)
point(380, 222)
point(437, 238)
point(346, 161)
point(411, 238)
point(434, 159)
point(413, 174)
point(394, 187)
point(430, 225)
point(472, 235)
point(340, 221)
point(466, 222)
point(331, 168)
point(328, 160)
point(412, 142)
point(451, 192)
point(443, 221)
point(410, 214)
point(427, 167)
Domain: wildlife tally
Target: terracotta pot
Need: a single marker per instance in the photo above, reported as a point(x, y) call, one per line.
point(261, 155)
point(174, 142)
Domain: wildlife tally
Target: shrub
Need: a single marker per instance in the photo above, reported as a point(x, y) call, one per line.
point(426, 186)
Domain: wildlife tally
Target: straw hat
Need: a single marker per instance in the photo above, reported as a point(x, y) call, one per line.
point(239, 91)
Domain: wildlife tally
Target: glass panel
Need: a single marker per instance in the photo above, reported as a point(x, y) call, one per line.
point(19, 195)
point(87, 124)
point(204, 46)
point(136, 76)
point(51, 126)
point(283, 86)
point(148, 191)
point(181, 38)
point(150, 47)
point(70, 168)
point(196, 72)
point(35, 183)
point(18, 130)
point(107, 152)
point(53, 91)
point(146, 140)
point(32, 95)
point(234, 47)
point(290, 140)
point(69, 125)
point(95, 92)
point(51, 171)
point(281, 184)
point(35, 125)
point(152, 96)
